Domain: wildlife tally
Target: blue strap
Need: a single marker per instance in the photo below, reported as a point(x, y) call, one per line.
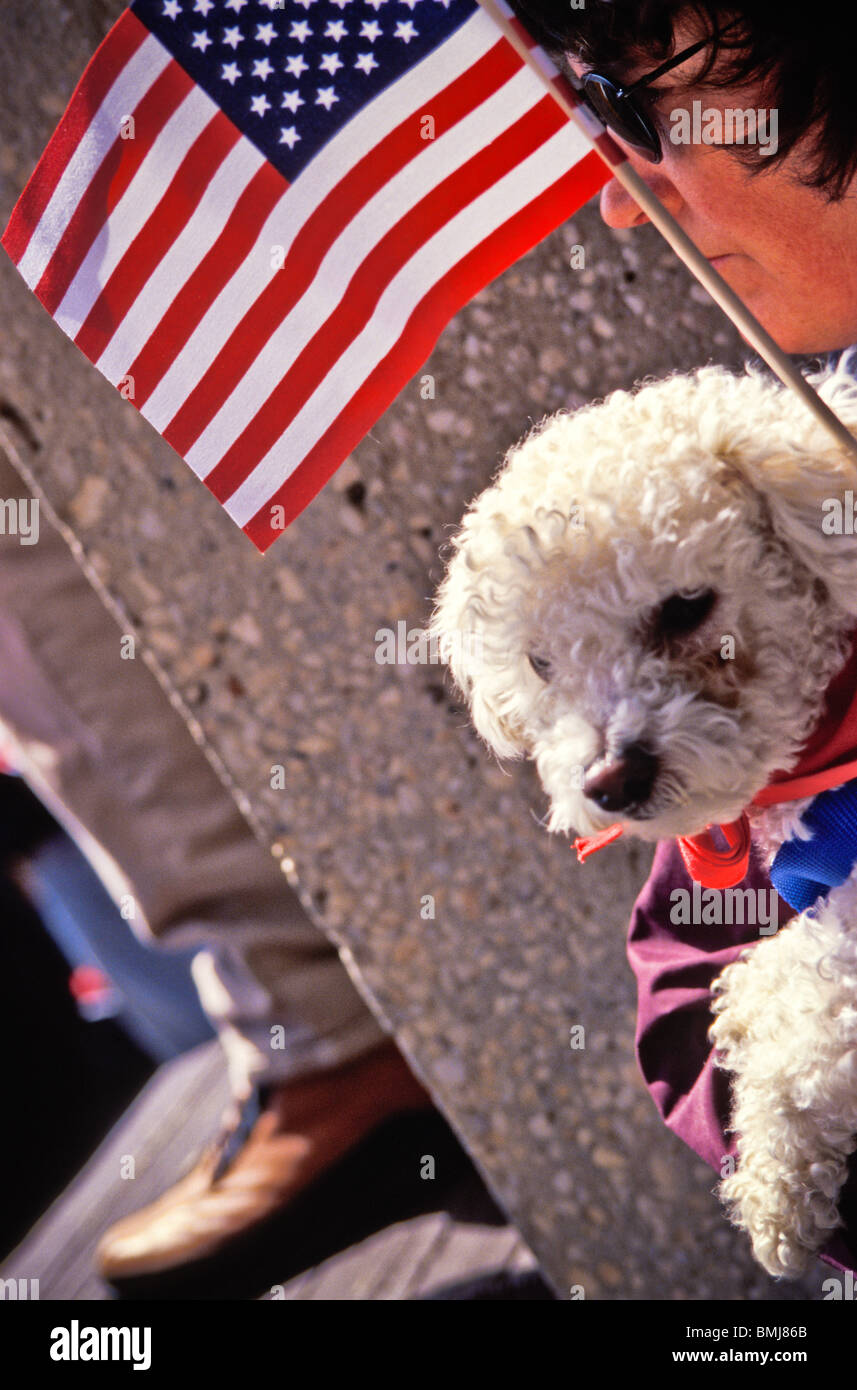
point(805, 870)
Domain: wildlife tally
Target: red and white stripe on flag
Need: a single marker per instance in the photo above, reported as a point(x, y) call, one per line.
point(264, 326)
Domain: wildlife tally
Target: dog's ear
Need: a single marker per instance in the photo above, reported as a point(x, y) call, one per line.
point(807, 484)
point(500, 730)
point(463, 644)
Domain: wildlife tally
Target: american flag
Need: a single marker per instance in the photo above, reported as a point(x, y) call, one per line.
point(255, 218)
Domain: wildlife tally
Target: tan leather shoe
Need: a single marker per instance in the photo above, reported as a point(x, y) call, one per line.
point(266, 1156)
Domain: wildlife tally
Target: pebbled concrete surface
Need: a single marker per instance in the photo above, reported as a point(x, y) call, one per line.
point(390, 797)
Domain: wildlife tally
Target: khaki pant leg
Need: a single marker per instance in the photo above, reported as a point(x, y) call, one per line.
point(100, 743)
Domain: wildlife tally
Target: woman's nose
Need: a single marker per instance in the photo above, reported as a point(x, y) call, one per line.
point(618, 208)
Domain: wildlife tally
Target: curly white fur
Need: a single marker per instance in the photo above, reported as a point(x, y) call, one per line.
point(703, 482)
point(786, 1029)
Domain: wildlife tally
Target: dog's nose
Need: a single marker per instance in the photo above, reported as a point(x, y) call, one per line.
point(622, 782)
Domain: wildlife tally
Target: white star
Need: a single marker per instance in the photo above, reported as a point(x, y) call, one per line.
point(325, 97)
point(289, 136)
point(260, 105)
point(203, 6)
point(233, 37)
point(296, 66)
point(335, 30)
point(365, 62)
point(201, 41)
point(262, 68)
point(306, 3)
point(330, 62)
point(340, 4)
point(410, 4)
point(405, 30)
point(292, 100)
point(370, 29)
point(265, 33)
point(230, 72)
point(300, 30)
point(445, 3)
point(376, 4)
point(236, 5)
point(172, 9)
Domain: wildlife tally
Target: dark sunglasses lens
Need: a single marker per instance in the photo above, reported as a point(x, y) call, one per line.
point(621, 116)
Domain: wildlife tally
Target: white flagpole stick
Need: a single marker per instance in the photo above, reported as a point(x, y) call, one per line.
point(565, 94)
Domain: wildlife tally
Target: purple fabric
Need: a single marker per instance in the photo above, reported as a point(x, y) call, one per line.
point(675, 967)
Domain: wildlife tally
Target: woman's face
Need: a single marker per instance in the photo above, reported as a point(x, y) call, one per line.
point(786, 251)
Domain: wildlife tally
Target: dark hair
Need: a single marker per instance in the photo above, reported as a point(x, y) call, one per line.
point(801, 57)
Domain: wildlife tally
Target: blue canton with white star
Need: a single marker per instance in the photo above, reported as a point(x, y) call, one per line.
point(290, 74)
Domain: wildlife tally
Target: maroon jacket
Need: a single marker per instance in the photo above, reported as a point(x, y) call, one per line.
point(675, 967)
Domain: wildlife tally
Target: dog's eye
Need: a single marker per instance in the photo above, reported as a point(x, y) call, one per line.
point(684, 613)
point(540, 665)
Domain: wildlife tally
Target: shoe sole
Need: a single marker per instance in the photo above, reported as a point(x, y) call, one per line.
point(375, 1185)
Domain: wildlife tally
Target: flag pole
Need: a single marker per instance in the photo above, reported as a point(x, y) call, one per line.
point(564, 92)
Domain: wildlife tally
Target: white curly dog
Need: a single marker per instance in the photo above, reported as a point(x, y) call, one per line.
point(650, 604)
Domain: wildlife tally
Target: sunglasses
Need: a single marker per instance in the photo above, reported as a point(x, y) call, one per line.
point(621, 111)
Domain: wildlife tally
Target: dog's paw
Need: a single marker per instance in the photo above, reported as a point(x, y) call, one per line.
point(785, 1028)
point(734, 1004)
point(788, 1213)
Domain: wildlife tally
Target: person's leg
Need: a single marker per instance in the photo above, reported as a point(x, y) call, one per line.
point(101, 745)
point(99, 742)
